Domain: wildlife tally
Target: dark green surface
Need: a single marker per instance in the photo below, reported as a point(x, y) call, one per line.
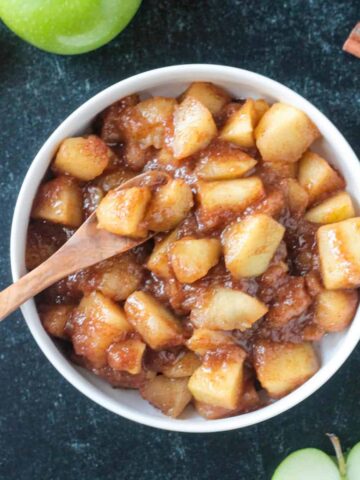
point(47, 429)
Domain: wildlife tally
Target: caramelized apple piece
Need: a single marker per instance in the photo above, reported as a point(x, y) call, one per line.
point(227, 309)
point(339, 254)
point(169, 205)
point(59, 201)
point(170, 395)
point(211, 96)
point(229, 195)
point(194, 128)
point(95, 324)
point(204, 340)
point(224, 165)
point(334, 310)
point(116, 277)
point(250, 245)
point(54, 319)
point(126, 355)
point(157, 325)
point(219, 380)
point(284, 133)
point(239, 128)
point(158, 262)
point(184, 366)
point(82, 157)
point(282, 367)
point(192, 258)
point(318, 177)
point(334, 209)
point(122, 211)
point(296, 196)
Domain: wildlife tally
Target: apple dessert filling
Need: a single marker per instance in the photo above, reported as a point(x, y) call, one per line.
point(253, 253)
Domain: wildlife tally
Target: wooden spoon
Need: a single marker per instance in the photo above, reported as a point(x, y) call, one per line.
point(88, 245)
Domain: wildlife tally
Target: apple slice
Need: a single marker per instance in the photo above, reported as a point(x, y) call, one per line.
point(308, 464)
point(353, 463)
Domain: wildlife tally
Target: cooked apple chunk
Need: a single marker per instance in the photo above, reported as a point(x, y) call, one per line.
point(122, 211)
point(204, 340)
point(169, 205)
point(82, 157)
point(213, 97)
point(95, 324)
point(54, 319)
point(170, 395)
point(296, 196)
point(158, 262)
point(184, 366)
point(250, 245)
point(192, 258)
point(229, 195)
point(239, 128)
point(318, 177)
point(116, 277)
point(334, 310)
point(224, 165)
point(59, 201)
point(219, 380)
point(334, 209)
point(226, 309)
point(194, 128)
point(282, 367)
point(126, 356)
point(261, 106)
point(284, 133)
point(339, 252)
point(157, 326)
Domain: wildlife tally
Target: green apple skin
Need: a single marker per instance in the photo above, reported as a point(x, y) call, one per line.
point(67, 27)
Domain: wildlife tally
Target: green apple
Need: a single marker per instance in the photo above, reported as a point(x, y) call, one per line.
point(67, 26)
point(307, 464)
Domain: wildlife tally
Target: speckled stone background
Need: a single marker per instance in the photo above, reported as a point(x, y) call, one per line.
point(48, 430)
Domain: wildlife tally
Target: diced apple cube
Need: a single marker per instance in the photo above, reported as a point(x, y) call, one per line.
point(261, 106)
point(339, 252)
point(126, 355)
point(156, 113)
point(170, 395)
point(334, 310)
point(250, 245)
point(229, 195)
point(97, 323)
point(227, 165)
point(116, 277)
point(282, 367)
point(184, 366)
point(59, 201)
point(158, 262)
point(227, 309)
point(192, 258)
point(211, 96)
point(169, 205)
point(284, 133)
point(219, 380)
point(239, 128)
point(318, 177)
point(157, 325)
point(82, 157)
point(204, 340)
point(54, 319)
point(122, 211)
point(194, 128)
point(296, 196)
point(334, 209)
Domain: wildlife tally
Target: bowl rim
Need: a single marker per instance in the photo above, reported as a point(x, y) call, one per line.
point(150, 79)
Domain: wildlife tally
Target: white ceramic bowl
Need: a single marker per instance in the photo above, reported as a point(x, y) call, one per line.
point(334, 349)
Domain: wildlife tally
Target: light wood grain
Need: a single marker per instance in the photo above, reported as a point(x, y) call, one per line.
point(88, 246)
